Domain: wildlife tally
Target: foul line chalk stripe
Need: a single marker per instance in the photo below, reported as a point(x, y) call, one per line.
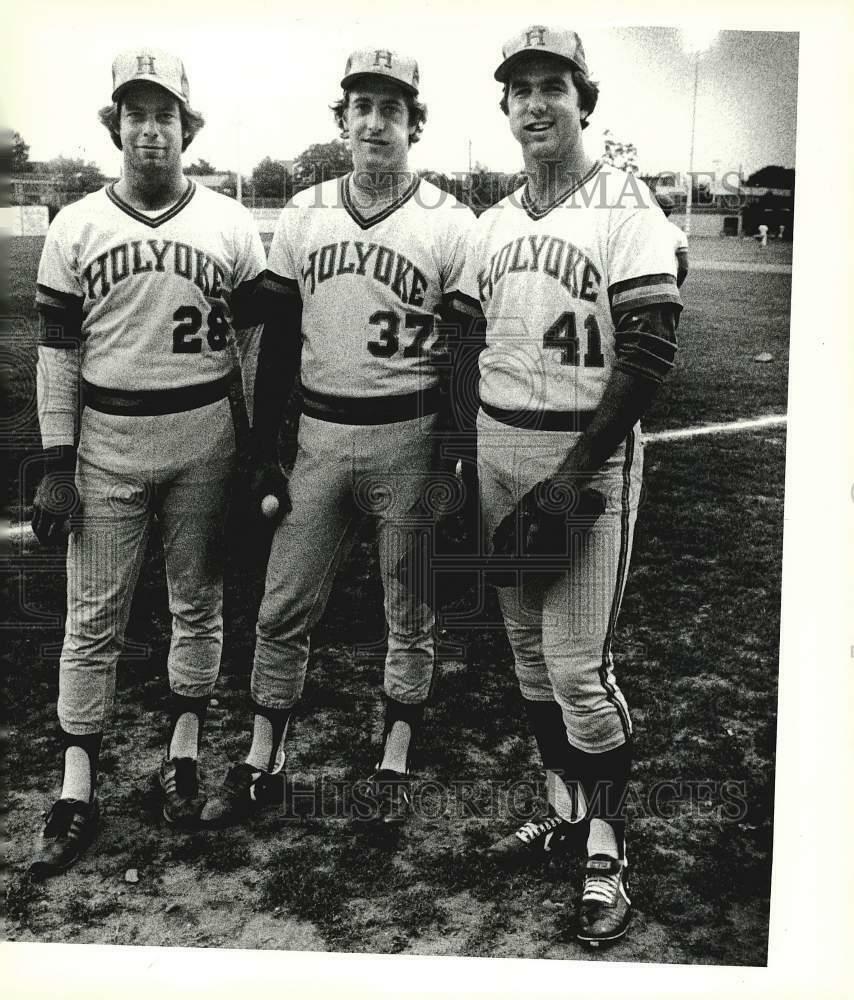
point(23, 532)
point(775, 420)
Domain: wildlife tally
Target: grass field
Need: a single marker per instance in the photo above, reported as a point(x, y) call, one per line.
point(696, 649)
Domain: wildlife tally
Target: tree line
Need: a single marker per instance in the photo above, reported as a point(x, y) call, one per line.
point(274, 180)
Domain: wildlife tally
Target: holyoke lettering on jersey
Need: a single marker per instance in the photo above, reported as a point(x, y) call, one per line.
point(552, 255)
point(143, 256)
point(385, 265)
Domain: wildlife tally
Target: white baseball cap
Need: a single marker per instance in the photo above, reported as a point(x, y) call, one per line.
point(153, 66)
point(384, 63)
point(539, 40)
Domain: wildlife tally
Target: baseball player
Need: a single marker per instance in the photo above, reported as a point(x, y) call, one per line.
point(141, 287)
point(680, 240)
point(576, 278)
point(361, 266)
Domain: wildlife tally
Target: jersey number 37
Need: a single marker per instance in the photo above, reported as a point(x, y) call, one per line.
point(387, 342)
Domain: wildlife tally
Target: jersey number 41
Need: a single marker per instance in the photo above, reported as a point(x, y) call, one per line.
point(562, 335)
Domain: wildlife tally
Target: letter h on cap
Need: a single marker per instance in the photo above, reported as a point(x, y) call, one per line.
point(382, 56)
point(535, 36)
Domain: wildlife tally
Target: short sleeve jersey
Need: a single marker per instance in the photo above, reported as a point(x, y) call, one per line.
point(554, 281)
point(680, 240)
point(370, 287)
point(156, 299)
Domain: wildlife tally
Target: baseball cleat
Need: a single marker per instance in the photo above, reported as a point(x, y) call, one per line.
point(179, 782)
point(535, 841)
point(69, 828)
point(605, 906)
point(390, 794)
point(244, 791)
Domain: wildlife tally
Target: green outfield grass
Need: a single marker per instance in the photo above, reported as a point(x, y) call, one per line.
point(730, 317)
point(741, 249)
point(696, 650)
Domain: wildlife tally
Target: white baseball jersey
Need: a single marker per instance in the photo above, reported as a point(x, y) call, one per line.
point(680, 240)
point(370, 287)
point(157, 296)
point(553, 281)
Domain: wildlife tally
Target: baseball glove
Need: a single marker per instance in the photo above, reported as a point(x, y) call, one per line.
point(57, 502)
point(539, 530)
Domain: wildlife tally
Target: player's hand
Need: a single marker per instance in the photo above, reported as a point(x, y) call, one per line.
point(268, 480)
point(57, 500)
point(540, 527)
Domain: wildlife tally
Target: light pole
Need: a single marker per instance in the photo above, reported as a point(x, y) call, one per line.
point(696, 41)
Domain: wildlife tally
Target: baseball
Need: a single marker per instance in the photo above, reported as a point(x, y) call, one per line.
point(270, 505)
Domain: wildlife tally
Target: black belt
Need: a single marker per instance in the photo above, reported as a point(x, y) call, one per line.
point(541, 420)
point(370, 409)
point(155, 402)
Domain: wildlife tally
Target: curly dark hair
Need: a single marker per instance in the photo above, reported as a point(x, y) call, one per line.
point(588, 92)
point(417, 114)
point(191, 122)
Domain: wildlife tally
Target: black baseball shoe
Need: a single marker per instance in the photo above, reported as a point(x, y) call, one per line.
point(70, 826)
point(244, 791)
point(605, 907)
point(179, 782)
point(536, 842)
point(390, 796)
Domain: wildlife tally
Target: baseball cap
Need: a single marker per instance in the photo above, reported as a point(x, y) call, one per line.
point(536, 40)
point(389, 65)
point(154, 66)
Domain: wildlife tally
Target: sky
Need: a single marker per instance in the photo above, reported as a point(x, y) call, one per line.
point(264, 82)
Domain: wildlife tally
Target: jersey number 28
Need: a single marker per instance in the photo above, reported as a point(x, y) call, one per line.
point(186, 338)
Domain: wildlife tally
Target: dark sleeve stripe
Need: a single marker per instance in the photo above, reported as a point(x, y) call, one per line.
point(648, 342)
point(50, 296)
point(245, 307)
point(648, 290)
point(273, 282)
point(645, 341)
point(644, 279)
point(61, 316)
point(464, 304)
point(651, 296)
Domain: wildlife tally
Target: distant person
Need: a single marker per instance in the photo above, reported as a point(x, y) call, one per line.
point(680, 240)
point(763, 235)
point(781, 232)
